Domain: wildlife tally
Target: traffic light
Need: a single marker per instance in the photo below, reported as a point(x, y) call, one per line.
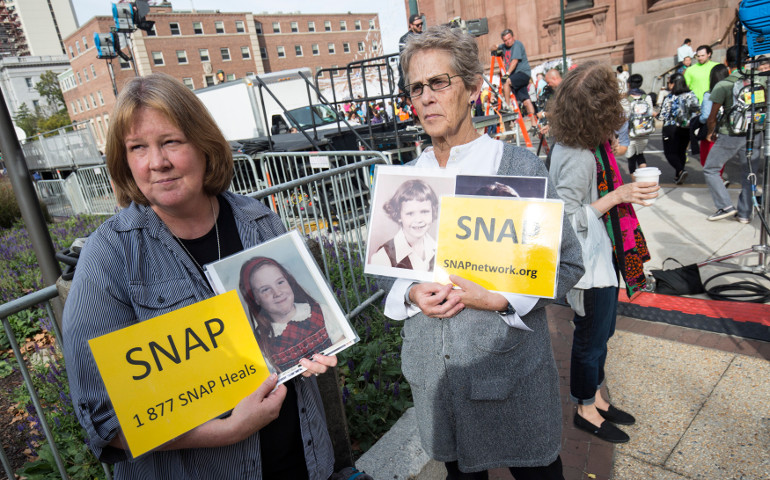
point(220, 76)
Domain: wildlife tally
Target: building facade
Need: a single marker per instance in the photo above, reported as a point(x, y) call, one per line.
point(317, 41)
point(35, 27)
point(19, 75)
point(615, 31)
point(196, 47)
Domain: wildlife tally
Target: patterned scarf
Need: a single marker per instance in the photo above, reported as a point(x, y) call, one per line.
point(628, 245)
point(300, 339)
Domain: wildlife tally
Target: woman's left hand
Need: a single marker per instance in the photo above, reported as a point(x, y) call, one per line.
point(473, 295)
point(318, 365)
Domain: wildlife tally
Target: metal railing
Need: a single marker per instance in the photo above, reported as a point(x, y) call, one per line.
point(325, 195)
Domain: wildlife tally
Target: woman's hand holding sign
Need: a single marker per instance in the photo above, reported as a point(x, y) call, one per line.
point(473, 295)
point(435, 300)
point(319, 364)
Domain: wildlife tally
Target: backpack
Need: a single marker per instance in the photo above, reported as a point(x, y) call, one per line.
point(640, 122)
point(738, 115)
point(684, 110)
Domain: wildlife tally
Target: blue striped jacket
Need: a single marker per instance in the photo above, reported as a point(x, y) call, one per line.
point(132, 269)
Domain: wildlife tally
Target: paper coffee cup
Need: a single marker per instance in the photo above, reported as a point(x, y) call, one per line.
point(648, 174)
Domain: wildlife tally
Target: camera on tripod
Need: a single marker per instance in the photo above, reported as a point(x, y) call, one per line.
point(498, 52)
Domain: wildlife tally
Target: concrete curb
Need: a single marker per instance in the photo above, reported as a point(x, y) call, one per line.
point(398, 454)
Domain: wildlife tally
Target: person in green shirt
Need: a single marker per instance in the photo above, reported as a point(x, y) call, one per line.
point(697, 75)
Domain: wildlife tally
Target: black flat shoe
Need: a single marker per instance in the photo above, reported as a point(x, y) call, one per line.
point(607, 431)
point(617, 416)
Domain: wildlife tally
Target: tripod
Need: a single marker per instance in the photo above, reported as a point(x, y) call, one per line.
point(762, 249)
point(499, 93)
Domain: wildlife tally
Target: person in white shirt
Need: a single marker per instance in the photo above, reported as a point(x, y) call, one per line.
point(684, 51)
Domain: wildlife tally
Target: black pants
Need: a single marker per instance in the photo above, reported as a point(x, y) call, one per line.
point(675, 140)
point(634, 161)
point(548, 472)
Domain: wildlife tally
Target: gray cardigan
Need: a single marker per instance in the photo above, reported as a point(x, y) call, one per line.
point(487, 395)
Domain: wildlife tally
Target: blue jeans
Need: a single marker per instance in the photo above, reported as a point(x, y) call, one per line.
point(589, 343)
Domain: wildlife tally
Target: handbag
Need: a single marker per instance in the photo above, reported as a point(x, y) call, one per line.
point(683, 280)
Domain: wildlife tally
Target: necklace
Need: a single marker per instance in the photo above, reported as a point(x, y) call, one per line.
point(216, 230)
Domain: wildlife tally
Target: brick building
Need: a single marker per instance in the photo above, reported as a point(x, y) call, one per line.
point(194, 46)
point(317, 41)
point(615, 31)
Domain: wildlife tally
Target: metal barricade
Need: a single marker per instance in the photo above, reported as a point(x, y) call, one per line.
point(246, 176)
point(54, 196)
point(96, 188)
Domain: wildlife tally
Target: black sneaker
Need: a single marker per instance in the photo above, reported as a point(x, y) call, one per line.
point(681, 177)
point(607, 431)
point(722, 213)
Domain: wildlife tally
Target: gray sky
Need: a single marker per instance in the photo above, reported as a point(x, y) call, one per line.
point(393, 18)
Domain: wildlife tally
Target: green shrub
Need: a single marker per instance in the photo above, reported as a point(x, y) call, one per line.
point(10, 214)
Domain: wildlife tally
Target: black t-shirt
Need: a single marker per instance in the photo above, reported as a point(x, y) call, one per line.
point(283, 455)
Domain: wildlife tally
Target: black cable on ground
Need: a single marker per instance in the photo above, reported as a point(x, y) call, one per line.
point(742, 291)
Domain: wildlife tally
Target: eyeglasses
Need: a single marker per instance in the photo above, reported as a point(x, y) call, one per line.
point(417, 24)
point(439, 82)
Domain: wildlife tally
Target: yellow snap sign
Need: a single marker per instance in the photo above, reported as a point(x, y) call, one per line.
point(169, 374)
point(503, 244)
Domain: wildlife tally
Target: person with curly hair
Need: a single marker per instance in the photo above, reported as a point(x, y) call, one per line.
point(583, 115)
point(676, 111)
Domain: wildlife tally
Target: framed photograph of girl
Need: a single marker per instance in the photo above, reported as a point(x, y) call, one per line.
point(402, 226)
point(292, 310)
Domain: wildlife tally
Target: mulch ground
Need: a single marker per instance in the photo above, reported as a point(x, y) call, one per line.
point(14, 442)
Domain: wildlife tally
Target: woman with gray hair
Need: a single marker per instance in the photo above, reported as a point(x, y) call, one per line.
point(480, 364)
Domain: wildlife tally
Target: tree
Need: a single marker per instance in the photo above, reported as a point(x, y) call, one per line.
point(26, 120)
point(48, 88)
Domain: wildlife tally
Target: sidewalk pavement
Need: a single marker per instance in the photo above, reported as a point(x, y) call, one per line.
point(701, 399)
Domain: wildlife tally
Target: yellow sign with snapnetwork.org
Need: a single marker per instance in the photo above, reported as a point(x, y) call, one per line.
point(503, 244)
point(169, 374)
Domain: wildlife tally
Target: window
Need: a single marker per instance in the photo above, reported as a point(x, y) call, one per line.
point(263, 52)
point(106, 121)
point(124, 65)
point(85, 43)
point(209, 80)
point(294, 27)
point(346, 47)
point(85, 74)
point(93, 70)
point(311, 26)
point(72, 54)
point(101, 128)
point(157, 58)
point(80, 79)
point(93, 100)
point(298, 50)
point(343, 25)
point(188, 82)
point(331, 49)
point(77, 46)
point(371, 24)
point(74, 108)
point(174, 26)
point(249, 74)
point(315, 49)
point(245, 53)
point(240, 27)
point(281, 52)
point(276, 27)
point(358, 24)
point(85, 102)
point(101, 97)
point(225, 54)
point(181, 57)
point(219, 27)
point(198, 28)
point(361, 47)
point(204, 53)
point(328, 26)
point(29, 82)
point(258, 27)
point(80, 106)
point(151, 33)
point(374, 46)
point(230, 77)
